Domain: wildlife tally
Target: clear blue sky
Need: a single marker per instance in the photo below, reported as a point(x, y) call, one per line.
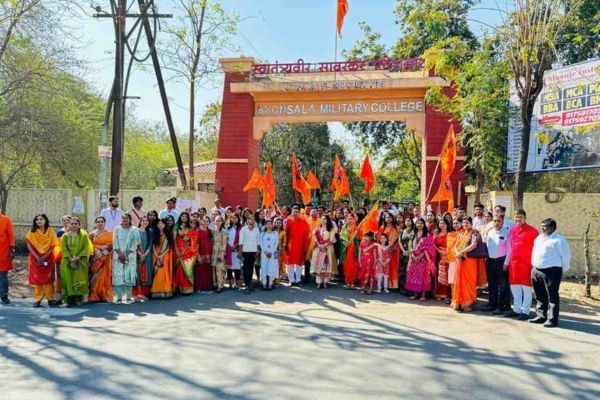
point(273, 30)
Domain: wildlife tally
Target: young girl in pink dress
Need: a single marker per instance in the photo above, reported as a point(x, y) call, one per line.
point(382, 265)
point(366, 257)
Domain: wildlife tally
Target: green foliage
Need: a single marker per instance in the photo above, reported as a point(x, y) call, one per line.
point(148, 153)
point(581, 37)
point(423, 23)
point(315, 152)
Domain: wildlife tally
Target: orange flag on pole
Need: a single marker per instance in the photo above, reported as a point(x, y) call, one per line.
point(313, 181)
point(342, 9)
point(337, 174)
point(256, 182)
point(370, 223)
point(298, 182)
point(366, 174)
point(344, 186)
point(269, 191)
point(447, 162)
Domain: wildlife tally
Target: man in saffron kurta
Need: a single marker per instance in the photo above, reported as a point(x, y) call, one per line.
point(520, 245)
point(7, 253)
point(297, 240)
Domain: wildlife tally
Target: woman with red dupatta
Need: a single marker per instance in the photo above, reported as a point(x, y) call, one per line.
point(101, 289)
point(44, 248)
point(349, 251)
point(186, 249)
point(390, 229)
point(421, 267)
point(203, 281)
point(441, 244)
point(464, 292)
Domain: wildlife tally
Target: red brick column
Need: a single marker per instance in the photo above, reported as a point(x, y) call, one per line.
point(436, 129)
point(238, 151)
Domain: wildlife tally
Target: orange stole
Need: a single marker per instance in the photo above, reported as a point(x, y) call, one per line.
point(464, 292)
point(100, 269)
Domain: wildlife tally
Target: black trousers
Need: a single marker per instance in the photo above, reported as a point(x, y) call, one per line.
point(248, 267)
point(306, 271)
point(546, 283)
point(498, 286)
point(234, 273)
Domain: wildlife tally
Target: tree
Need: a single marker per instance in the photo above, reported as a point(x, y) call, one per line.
point(479, 101)
point(315, 152)
point(196, 42)
point(532, 33)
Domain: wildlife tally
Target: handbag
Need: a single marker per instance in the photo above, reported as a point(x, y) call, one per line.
point(481, 250)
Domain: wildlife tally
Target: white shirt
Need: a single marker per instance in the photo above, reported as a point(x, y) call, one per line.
point(112, 217)
point(249, 239)
point(551, 251)
point(166, 212)
point(477, 221)
point(497, 242)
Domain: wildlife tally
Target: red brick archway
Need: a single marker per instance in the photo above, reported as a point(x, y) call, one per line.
point(255, 96)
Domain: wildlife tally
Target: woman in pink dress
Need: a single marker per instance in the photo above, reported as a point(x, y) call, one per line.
point(421, 267)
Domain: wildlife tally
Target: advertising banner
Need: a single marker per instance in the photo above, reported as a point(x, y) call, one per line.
point(565, 126)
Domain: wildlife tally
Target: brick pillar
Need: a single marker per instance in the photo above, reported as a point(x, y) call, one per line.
point(436, 129)
point(237, 151)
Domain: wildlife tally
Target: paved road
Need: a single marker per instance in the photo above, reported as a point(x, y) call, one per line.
point(293, 343)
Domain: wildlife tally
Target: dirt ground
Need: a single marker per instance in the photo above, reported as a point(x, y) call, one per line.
point(571, 289)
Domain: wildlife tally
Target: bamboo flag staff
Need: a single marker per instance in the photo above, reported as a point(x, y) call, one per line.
point(447, 161)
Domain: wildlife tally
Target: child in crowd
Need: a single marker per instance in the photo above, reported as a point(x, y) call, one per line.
point(269, 241)
point(366, 262)
point(382, 266)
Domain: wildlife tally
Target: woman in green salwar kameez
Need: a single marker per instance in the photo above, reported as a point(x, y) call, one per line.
point(74, 271)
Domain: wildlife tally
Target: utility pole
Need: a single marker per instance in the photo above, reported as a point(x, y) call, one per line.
point(117, 97)
point(118, 134)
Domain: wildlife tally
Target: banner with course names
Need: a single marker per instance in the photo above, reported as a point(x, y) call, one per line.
point(565, 126)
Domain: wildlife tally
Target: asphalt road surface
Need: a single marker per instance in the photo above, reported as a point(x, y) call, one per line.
point(293, 343)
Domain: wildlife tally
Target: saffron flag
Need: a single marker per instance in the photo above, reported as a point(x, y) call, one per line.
point(366, 174)
point(342, 9)
point(269, 191)
point(337, 174)
point(344, 186)
point(447, 162)
point(313, 181)
point(298, 182)
point(370, 223)
point(256, 182)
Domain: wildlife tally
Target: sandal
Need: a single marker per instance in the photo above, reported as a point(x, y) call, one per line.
point(413, 297)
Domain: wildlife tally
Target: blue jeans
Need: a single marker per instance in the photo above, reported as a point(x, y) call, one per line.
point(3, 283)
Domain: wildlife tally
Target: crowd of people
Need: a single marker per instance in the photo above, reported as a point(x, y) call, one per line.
point(138, 255)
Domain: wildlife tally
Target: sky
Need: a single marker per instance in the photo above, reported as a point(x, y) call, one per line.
point(271, 30)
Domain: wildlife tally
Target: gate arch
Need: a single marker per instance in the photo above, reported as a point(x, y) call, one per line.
point(256, 96)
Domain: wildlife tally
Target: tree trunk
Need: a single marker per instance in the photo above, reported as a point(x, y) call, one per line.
point(3, 199)
point(479, 182)
point(588, 262)
point(191, 180)
point(526, 113)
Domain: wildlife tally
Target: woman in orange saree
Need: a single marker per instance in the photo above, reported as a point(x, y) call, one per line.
point(100, 273)
point(390, 229)
point(162, 261)
point(464, 292)
point(44, 250)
